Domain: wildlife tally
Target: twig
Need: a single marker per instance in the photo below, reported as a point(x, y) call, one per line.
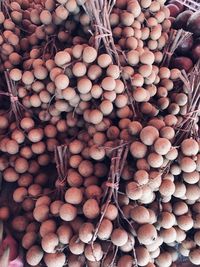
point(112, 183)
point(4, 8)
point(118, 161)
point(188, 127)
point(114, 257)
point(61, 159)
point(108, 197)
point(176, 38)
point(16, 107)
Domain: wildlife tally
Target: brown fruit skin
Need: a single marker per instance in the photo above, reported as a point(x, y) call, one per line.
point(91, 208)
point(64, 233)
point(68, 212)
point(142, 255)
point(148, 135)
point(140, 214)
point(55, 259)
point(138, 149)
point(105, 229)
point(95, 253)
point(194, 256)
point(164, 259)
point(76, 246)
point(147, 234)
point(189, 147)
point(125, 261)
point(29, 239)
point(34, 255)
point(86, 232)
point(49, 242)
point(185, 222)
point(133, 191)
point(4, 213)
point(119, 237)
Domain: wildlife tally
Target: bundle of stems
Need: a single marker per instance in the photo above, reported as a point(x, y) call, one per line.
point(16, 107)
point(99, 11)
point(189, 126)
point(61, 160)
point(118, 161)
point(4, 7)
point(176, 38)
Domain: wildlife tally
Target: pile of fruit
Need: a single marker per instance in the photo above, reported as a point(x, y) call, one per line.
point(99, 136)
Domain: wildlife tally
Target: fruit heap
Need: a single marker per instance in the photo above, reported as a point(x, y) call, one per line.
point(99, 139)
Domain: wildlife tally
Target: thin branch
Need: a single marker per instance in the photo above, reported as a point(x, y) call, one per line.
point(188, 127)
point(61, 159)
point(176, 38)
